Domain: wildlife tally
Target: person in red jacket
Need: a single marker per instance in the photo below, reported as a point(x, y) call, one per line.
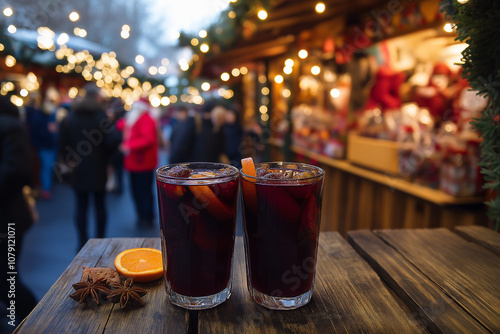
point(140, 146)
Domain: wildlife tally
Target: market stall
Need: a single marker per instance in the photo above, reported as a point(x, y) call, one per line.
point(373, 96)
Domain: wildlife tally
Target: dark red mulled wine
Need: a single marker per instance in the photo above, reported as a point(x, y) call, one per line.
point(281, 226)
point(197, 204)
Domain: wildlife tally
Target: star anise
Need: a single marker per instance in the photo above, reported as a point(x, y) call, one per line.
point(127, 294)
point(90, 288)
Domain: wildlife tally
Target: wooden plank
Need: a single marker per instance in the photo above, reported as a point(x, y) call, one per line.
point(466, 272)
point(348, 297)
point(481, 235)
point(57, 313)
point(158, 315)
point(426, 300)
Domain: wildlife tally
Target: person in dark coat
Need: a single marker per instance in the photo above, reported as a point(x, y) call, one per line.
point(182, 136)
point(234, 136)
point(15, 214)
point(200, 138)
point(209, 139)
point(87, 136)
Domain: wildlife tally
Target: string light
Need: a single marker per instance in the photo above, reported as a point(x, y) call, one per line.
point(202, 33)
point(232, 14)
point(335, 93)
point(12, 29)
point(243, 70)
point(139, 59)
point(8, 11)
point(448, 27)
point(204, 48)
point(315, 70)
point(205, 86)
point(278, 79)
point(303, 54)
point(74, 16)
point(262, 14)
point(235, 72)
point(195, 42)
point(320, 8)
point(224, 76)
point(10, 61)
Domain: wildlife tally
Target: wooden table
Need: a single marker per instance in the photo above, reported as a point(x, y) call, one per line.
point(385, 281)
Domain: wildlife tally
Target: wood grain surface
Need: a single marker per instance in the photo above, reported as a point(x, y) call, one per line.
point(434, 309)
point(57, 313)
point(481, 235)
point(466, 272)
point(348, 297)
point(410, 281)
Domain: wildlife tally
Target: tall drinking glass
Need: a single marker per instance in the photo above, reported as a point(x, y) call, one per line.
point(282, 214)
point(197, 203)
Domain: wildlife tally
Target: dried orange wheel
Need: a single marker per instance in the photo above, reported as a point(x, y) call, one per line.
point(141, 264)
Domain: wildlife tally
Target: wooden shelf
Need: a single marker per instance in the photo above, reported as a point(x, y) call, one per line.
point(432, 195)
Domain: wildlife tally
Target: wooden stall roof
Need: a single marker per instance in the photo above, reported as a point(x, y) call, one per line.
point(285, 21)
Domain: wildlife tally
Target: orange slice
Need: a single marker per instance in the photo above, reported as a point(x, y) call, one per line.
point(141, 264)
point(247, 184)
point(212, 203)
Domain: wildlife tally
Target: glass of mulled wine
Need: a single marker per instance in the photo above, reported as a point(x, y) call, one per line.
point(197, 204)
point(281, 222)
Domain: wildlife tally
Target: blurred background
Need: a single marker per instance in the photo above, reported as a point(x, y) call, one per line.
point(368, 90)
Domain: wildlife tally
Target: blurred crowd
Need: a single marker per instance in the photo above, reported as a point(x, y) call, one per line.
point(91, 143)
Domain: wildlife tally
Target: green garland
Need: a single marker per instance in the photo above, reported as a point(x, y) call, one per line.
point(478, 24)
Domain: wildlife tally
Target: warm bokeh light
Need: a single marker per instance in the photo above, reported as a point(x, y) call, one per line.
point(62, 39)
point(287, 70)
point(73, 92)
point(2, 47)
point(262, 79)
point(231, 14)
point(8, 11)
point(448, 27)
point(126, 27)
point(303, 54)
point(153, 70)
point(289, 62)
point(243, 70)
point(10, 61)
point(74, 16)
point(205, 86)
point(224, 76)
point(320, 7)
point(195, 42)
point(335, 93)
point(265, 91)
point(315, 70)
point(462, 1)
point(264, 117)
point(183, 64)
point(204, 48)
point(286, 93)
point(263, 109)
point(139, 59)
point(235, 72)
point(165, 101)
point(124, 34)
point(11, 29)
point(278, 79)
point(262, 14)
point(203, 33)
point(162, 70)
